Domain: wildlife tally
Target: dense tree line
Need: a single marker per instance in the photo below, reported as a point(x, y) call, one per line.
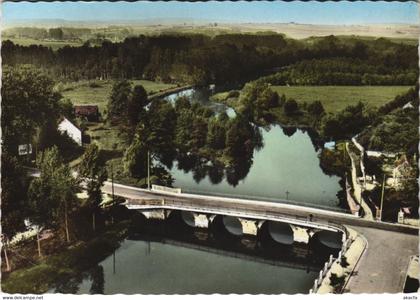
point(345, 71)
point(227, 58)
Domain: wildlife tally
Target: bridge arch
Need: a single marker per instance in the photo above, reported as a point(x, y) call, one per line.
point(188, 218)
point(279, 232)
point(330, 239)
point(233, 225)
point(226, 224)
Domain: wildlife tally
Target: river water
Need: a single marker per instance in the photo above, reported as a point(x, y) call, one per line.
point(286, 168)
point(145, 267)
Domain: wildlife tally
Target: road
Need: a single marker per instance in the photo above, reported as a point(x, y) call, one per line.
point(382, 267)
point(223, 204)
point(356, 186)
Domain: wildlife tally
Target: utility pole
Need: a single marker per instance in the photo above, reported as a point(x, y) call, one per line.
point(112, 181)
point(148, 169)
point(382, 198)
point(287, 195)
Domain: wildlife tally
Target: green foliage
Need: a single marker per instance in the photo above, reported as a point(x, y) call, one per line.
point(395, 132)
point(53, 193)
point(334, 162)
point(135, 159)
point(57, 269)
point(337, 282)
point(216, 134)
point(347, 122)
point(200, 59)
point(290, 107)
point(14, 186)
point(28, 103)
point(92, 169)
point(118, 100)
point(316, 108)
point(136, 103)
point(343, 262)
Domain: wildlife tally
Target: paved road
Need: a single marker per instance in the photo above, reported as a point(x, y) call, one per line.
point(382, 267)
point(356, 186)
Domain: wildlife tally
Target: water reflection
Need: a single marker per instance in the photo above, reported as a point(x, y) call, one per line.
point(278, 163)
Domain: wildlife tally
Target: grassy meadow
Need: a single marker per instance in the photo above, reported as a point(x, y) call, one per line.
point(97, 92)
point(335, 98)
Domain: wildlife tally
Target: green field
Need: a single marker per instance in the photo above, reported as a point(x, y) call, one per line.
point(97, 92)
point(54, 45)
point(335, 98)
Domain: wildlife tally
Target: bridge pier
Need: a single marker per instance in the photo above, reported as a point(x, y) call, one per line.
point(249, 227)
point(301, 234)
point(158, 214)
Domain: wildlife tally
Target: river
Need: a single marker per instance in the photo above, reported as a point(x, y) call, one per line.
point(144, 267)
point(286, 168)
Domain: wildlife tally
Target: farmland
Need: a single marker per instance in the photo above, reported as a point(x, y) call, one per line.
point(54, 45)
point(335, 98)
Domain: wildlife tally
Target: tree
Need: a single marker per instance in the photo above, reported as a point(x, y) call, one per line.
point(92, 170)
point(316, 108)
point(14, 186)
point(290, 107)
point(53, 194)
point(216, 134)
point(136, 103)
point(56, 33)
point(135, 159)
point(28, 102)
point(118, 100)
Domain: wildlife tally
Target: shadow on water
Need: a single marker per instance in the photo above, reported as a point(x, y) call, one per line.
point(156, 246)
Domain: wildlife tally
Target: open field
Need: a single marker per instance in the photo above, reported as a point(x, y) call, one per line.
point(53, 44)
point(335, 98)
point(97, 92)
point(293, 30)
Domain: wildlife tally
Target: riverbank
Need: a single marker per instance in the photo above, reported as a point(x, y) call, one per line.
point(77, 258)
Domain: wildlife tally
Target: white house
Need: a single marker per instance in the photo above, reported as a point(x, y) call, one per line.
point(67, 127)
point(408, 105)
point(330, 145)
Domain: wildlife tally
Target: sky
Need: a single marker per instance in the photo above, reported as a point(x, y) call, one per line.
point(342, 12)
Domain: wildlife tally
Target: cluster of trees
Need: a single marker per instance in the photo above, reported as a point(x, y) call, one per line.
point(31, 110)
point(344, 71)
point(394, 129)
point(192, 134)
point(126, 104)
point(348, 122)
point(201, 59)
point(263, 106)
point(57, 33)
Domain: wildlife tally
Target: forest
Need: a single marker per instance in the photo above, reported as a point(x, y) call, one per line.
point(227, 59)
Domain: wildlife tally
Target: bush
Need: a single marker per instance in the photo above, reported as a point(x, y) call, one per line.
point(337, 282)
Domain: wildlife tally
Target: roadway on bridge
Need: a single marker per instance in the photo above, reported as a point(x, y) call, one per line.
point(254, 207)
